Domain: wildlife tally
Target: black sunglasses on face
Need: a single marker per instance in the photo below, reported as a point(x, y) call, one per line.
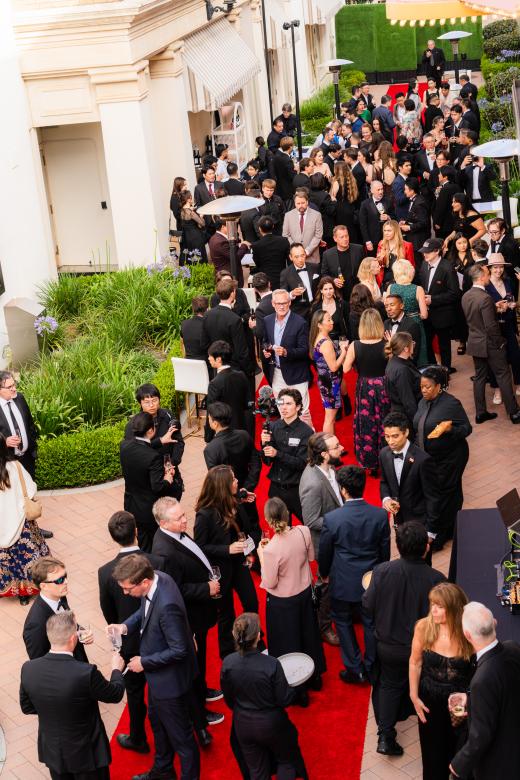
point(59, 581)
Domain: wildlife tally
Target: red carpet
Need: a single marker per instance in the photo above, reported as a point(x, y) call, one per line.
point(331, 729)
point(393, 89)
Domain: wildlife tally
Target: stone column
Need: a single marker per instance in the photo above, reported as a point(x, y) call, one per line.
point(139, 215)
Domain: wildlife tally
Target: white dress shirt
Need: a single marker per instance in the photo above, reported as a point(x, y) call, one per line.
point(188, 542)
point(486, 649)
point(399, 462)
point(15, 412)
point(476, 191)
point(331, 477)
point(149, 596)
point(431, 272)
point(52, 604)
point(304, 276)
point(395, 323)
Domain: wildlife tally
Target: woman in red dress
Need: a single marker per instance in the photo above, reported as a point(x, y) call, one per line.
point(392, 247)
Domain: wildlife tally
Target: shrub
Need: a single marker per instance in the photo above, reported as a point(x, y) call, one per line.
point(165, 381)
point(502, 83)
point(494, 46)
point(499, 28)
point(490, 68)
point(78, 459)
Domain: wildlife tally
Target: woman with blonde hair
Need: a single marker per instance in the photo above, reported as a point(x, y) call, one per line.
point(317, 156)
point(328, 360)
point(367, 355)
point(344, 191)
point(392, 247)
point(414, 300)
point(367, 275)
point(440, 664)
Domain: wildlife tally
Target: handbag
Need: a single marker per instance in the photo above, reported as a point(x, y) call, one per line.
point(315, 588)
point(33, 509)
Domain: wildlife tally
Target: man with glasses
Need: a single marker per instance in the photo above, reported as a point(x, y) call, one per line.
point(50, 576)
point(501, 241)
point(286, 350)
point(17, 425)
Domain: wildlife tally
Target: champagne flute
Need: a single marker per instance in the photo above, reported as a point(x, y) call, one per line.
point(84, 632)
point(215, 575)
point(116, 639)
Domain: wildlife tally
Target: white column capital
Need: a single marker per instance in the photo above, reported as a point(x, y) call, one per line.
point(119, 83)
point(168, 63)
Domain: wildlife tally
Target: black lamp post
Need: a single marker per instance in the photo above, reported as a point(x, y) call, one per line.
point(290, 26)
point(334, 67)
point(454, 36)
point(503, 151)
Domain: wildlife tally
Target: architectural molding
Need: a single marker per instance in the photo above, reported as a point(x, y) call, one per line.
point(121, 83)
point(168, 64)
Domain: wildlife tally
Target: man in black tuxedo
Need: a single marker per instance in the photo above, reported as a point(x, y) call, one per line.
point(167, 656)
point(442, 215)
point(284, 169)
point(116, 608)
point(273, 206)
point(417, 224)
point(467, 88)
point(275, 135)
point(501, 241)
point(222, 324)
point(434, 62)
point(408, 477)
point(233, 185)
point(439, 282)
point(249, 218)
point(231, 447)
point(351, 158)
point(184, 560)
point(342, 262)
point(300, 280)
point(50, 576)
point(398, 322)
point(64, 693)
point(230, 386)
point(469, 116)
point(476, 178)
point(146, 477)
point(373, 214)
point(453, 128)
point(425, 164)
point(396, 599)
point(204, 192)
point(492, 749)
point(191, 329)
point(270, 253)
point(305, 171)
point(263, 289)
point(18, 427)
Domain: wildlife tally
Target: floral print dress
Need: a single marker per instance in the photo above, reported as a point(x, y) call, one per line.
point(372, 402)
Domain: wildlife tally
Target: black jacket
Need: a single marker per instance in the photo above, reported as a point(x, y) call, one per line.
point(270, 254)
point(264, 308)
point(237, 449)
point(295, 339)
point(274, 208)
point(408, 325)
point(30, 427)
point(327, 208)
point(417, 491)
point(192, 578)
point(248, 224)
point(284, 172)
point(64, 693)
point(370, 222)
point(163, 421)
point(443, 217)
point(143, 471)
point(290, 279)
point(444, 291)
point(418, 218)
point(403, 385)
point(232, 388)
point(35, 632)
point(214, 539)
point(191, 334)
point(223, 324)
point(234, 187)
point(485, 177)
point(348, 266)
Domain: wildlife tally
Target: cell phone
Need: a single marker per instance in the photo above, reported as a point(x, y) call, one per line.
point(516, 269)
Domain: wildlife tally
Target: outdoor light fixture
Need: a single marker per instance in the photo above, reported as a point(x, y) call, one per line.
point(225, 9)
point(503, 151)
point(291, 26)
point(454, 36)
point(334, 67)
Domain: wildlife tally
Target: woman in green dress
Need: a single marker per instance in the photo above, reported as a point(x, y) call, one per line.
point(414, 301)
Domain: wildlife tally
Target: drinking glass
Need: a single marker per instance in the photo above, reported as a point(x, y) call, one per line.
point(242, 537)
point(83, 631)
point(167, 462)
point(116, 638)
point(265, 537)
point(215, 575)
point(510, 298)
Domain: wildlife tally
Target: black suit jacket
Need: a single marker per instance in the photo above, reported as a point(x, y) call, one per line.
point(284, 172)
point(64, 693)
point(418, 218)
point(232, 388)
point(348, 266)
point(486, 175)
point(408, 325)
point(472, 121)
point(248, 224)
point(223, 324)
point(295, 339)
point(492, 749)
point(237, 449)
point(361, 180)
point(117, 606)
point(290, 279)
point(167, 650)
point(30, 427)
point(270, 254)
point(192, 578)
point(143, 471)
point(418, 489)
point(443, 217)
point(469, 90)
point(403, 384)
point(201, 194)
point(35, 632)
point(234, 187)
point(264, 308)
point(370, 222)
point(445, 294)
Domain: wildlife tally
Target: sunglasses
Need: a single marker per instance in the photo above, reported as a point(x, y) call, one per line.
point(59, 581)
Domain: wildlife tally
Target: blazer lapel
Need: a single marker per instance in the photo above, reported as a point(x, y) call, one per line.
point(328, 486)
point(391, 475)
point(407, 465)
point(181, 548)
point(150, 608)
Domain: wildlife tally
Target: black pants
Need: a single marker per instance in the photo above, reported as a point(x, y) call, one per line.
point(497, 362)
point(391, 694)
point(29, 463)
point(134, 685)
point(268, 744)
point(242, 583)
point(444, 337)
point(173, 733)
point(290, 496)
point(145, 535)
point(103, 773)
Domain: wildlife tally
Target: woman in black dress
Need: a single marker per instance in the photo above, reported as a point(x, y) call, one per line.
point(194, 236)
point(263, 739)
point(319, 195)
point(441, 428)
point(403, 378)
point(467, 221)
point(461, 258)
point(440, 664)
point(179, 185)
point(221, 530)
point(327, 299)
point(344, 191)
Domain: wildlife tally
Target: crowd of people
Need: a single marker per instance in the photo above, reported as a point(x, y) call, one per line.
point(366, 259)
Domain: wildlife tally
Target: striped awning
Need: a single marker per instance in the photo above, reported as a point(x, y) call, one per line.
point(219, 63)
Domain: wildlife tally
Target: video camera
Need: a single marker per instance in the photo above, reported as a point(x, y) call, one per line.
point(266, 405)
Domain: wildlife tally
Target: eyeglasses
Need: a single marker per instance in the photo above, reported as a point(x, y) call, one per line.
point(58, 581)
point(9, 387)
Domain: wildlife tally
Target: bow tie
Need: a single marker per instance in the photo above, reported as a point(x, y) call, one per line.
point(302, 270)
point(63, 603)
point(182, 534)
point(398, 455)
point(395, 322)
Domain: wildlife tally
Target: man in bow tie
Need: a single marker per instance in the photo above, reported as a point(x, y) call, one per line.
point(501, 241)
point(300, 280)
point(374, 212)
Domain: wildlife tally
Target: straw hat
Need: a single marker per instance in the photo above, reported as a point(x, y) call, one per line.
point(497, 258)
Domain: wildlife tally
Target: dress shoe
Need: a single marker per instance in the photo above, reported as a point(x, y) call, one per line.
point(389, 747)
point(204, 737)
point(356, 678)
point(436, 545)
point(330, 637)
point(154, 774)
point(46, 534)
point(124, 741)
point(482, 418)
point(24, 600)
point(515, 417)
point(452, 370)
point(214, 718)
point(214, 694)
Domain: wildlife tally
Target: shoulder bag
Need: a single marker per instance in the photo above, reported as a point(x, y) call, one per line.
point(33, 509)
point(315, 589)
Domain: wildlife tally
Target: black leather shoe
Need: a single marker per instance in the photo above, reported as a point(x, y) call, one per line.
point(153, 774)
point(482, 418)
point(356, 678)
point(515, 418)
point(389, 747)
point(303, 699)
point(204, 737)
point(138, 747)
point(214, 694)
point(46, 534)
point(24, 600)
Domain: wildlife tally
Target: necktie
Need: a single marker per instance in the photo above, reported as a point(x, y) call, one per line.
point(182, 534)
point(398, 456)
point(211, 192)
point(14, 422)
point(420, 426)
point(302, 222)
point(63, 603)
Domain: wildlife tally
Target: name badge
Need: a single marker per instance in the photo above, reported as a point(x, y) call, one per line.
point(293, 442)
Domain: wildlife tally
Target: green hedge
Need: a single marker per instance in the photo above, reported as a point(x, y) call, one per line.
point(499, 27)
point(494, 46)
point(318, 110)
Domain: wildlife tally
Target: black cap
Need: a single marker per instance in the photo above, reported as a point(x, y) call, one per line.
point(432, 245)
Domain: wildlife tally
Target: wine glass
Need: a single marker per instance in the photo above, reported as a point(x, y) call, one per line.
point(265, 537)
point(116, 639)
point(84, 631)
point(268, 347)
point(510, 298)
point(243, 538)
point(215, 575)
point(167, 462)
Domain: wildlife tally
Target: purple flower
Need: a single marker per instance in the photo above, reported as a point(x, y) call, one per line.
point(44, 325)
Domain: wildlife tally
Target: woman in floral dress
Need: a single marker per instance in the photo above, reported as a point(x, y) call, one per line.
point(328, 360)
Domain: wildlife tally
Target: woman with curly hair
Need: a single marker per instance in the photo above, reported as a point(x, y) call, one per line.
point(344, 191)
point(317, 156)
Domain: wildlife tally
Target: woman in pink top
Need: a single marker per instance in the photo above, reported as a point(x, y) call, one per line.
point(292, 624)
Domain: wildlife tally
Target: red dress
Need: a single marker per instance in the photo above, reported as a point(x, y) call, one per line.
point(408, 255)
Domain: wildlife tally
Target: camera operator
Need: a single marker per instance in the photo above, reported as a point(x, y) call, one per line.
point(284, 447)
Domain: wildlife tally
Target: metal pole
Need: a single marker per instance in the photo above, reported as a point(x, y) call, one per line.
point(232, 234)
point(266, 56)
point(335, 81)
point(503, 166)
point(296, 98)
point(455, 45)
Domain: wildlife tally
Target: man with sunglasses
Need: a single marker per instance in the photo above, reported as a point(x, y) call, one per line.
point(50, 576)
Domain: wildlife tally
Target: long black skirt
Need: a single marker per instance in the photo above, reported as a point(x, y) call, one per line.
point(292, 627)
point(265, 742)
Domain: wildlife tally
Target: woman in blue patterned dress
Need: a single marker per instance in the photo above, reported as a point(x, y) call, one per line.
point(21, 541)
point(367, 356)
point(414, 301)
point(328, 360)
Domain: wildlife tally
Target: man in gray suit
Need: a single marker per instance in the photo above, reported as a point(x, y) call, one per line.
point(303, 225)
point(486, 345)
point(319, 494)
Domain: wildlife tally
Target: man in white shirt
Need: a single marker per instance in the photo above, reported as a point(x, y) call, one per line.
point(222, 153)
point(303, 225)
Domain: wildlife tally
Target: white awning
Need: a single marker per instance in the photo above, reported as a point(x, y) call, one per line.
point(219, 64)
